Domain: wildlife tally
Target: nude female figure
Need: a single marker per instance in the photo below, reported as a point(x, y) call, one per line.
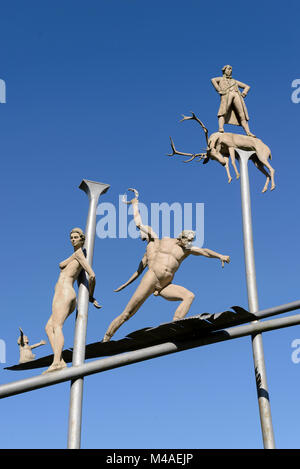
point(163, 258)
point(64, 300)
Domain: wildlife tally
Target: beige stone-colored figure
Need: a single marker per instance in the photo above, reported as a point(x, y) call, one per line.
point(221, 146)
point(26, 354)
point(232, 108)
point(163, 258)
point(64, 300)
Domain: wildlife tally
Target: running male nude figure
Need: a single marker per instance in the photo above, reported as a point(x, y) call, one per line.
point(163, 258)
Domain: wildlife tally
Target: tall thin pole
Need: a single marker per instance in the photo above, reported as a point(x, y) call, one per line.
point(93, 190)
point(257, 344)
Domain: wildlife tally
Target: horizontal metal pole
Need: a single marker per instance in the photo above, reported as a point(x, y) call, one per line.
point(285, 308)
point(104, 364)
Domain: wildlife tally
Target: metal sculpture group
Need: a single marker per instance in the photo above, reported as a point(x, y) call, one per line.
point(162, 258)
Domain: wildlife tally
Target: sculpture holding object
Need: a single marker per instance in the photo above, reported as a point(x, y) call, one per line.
point(163, 258)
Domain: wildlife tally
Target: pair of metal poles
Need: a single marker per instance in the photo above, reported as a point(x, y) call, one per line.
point(94, 190)
point(78, 370)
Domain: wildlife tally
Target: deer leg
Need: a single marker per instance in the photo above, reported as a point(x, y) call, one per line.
point(272, 172)
point(260, 166)
point(232, 157)
point(227, 170)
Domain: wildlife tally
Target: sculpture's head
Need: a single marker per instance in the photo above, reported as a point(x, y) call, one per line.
point(212, 153)
point(77, 237)
point(227, 70)
point(186, 237)
point(25, 340)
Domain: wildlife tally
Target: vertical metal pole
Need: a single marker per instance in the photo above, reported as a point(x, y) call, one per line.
point(257, 344)
point(93, 190)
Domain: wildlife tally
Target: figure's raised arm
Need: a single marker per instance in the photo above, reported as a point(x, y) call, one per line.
point(209, 253)
point(21, 340)
point(147, 230)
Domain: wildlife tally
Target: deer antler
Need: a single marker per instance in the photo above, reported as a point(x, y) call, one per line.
point(201, 156)
point(194, 117)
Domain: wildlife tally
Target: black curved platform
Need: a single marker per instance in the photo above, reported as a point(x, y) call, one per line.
point(187, 328)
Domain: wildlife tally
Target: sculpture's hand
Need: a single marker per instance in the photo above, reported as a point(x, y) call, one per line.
point(43, 342)
point(244, 94)
point(225, 259)
point(132, 201)
point(95, 303)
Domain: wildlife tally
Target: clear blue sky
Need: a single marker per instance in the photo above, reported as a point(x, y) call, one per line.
point(94, 89)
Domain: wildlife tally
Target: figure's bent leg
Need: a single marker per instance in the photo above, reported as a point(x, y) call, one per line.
point(221, 123)
point(143, 291)
point(245, 126)
point(240, 111)
point(178, 293)
point(56, 339)
point(61, 310)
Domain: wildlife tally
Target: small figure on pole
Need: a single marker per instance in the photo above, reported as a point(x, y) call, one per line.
point(163, 258)
point(232, 108)
point(64, 301)
point(26, 354)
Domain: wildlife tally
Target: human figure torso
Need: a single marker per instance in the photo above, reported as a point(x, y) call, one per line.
point(164, 257)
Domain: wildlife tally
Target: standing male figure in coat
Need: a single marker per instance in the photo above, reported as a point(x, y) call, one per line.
point(232, 108)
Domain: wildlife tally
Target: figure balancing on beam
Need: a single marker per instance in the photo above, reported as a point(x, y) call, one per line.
point(64, 300)
point(163, 258)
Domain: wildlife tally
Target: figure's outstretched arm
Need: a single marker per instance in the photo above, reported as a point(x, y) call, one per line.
point(209, 253)
point(42, 342)
point(79, 256)
point(137, 216)
point(136, 274)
